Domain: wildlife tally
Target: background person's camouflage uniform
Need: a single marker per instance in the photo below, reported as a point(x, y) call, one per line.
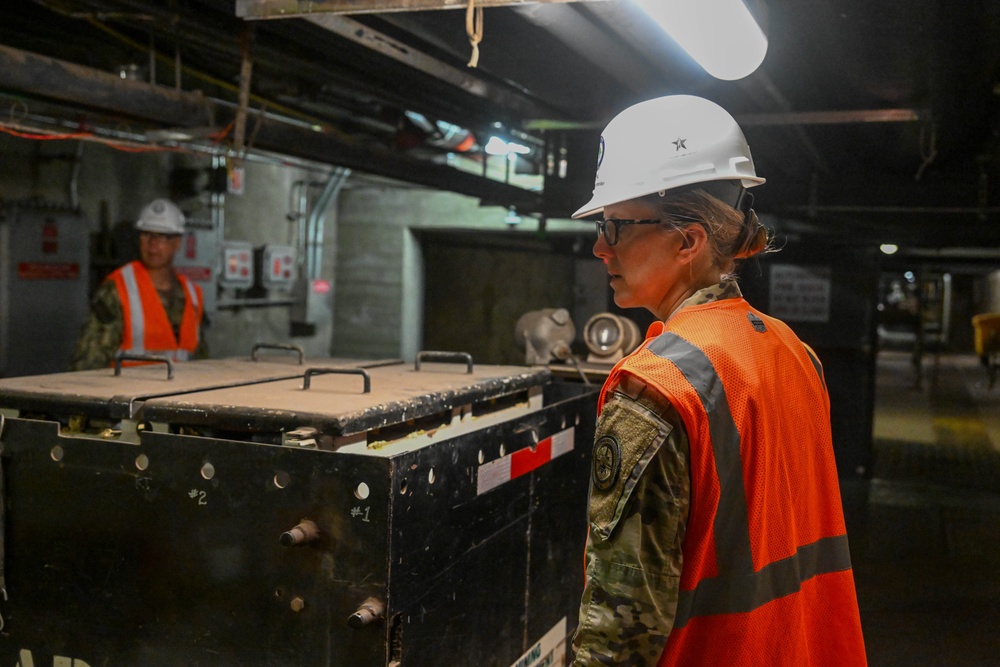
point(104, 327)
point(639, 502)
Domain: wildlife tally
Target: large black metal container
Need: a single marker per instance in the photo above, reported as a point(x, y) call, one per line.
point(264, 513)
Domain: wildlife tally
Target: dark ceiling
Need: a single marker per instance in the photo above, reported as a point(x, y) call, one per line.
point(874, 120)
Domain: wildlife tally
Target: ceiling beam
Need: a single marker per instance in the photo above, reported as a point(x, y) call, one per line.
point(35, 74)
point(780, 118)
point(913, 228)
point(387, 46)
point(272, 9)
point(592, 43)
point(832, 117)
point(283, 138)
point(159, 106)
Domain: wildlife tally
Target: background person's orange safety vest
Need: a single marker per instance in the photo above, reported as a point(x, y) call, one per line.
point(147, 329)
point(766, 577)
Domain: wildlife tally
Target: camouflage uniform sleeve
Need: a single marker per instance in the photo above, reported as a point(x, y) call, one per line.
point(202, 351)
point(640, 496)
point(102, 331)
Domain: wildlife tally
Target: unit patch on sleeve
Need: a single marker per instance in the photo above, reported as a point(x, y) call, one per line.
point(607, 462)
point(628, 437)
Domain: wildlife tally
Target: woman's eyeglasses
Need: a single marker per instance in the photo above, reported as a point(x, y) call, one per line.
point(610, 227)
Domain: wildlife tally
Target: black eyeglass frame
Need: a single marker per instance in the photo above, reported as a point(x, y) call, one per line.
point(611, 228)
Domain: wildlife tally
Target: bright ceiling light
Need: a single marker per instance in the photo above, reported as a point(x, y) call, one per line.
point(889, 248)
point(721, 35)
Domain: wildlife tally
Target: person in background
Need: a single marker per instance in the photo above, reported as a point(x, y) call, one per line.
point(717, 535)
point(146, 307)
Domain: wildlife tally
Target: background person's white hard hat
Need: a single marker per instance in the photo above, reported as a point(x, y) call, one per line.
point(667, 143)
point(161, 216)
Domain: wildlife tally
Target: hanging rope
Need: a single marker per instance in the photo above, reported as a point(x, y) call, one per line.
point(474, 28)
point(927, 152)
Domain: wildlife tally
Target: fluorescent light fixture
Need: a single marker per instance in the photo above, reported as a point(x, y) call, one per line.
point(721, 35)
point(497, 146)
point(889, 248)
point(512, 218)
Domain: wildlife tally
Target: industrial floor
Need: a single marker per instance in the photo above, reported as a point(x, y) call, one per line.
point(925, 533)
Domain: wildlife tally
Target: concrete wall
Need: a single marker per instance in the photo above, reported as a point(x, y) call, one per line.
point(372, 257)
point(381, 272)
point(110, 187)
point(260, 216)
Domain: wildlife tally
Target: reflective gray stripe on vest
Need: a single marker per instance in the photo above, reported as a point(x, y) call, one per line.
point(192, 292)
point(815, 362)
point(138, 321)
point(737, 588)
point(193, 295)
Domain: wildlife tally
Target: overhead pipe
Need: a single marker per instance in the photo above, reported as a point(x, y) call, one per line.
point(385, 45)
point(298, 203)
point(276, 9)
point(55, 79)
point(317, 218)
point(40, 75)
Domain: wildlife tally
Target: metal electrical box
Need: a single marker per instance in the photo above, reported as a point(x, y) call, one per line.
point(237, 265)
point(278, 513)
point(44, 278)
point(277, 266)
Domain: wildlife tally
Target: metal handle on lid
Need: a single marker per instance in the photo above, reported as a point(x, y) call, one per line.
point(152, 358)
point(458, 357)
point(338, 371)
point(278, 346)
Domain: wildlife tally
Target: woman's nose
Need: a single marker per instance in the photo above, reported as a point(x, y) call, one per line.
point(601, 248)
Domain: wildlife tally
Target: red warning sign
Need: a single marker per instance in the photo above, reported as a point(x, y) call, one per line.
point(48, 270)
point(197, 273)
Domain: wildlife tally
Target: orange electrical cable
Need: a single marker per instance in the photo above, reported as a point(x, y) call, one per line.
point(45, 137)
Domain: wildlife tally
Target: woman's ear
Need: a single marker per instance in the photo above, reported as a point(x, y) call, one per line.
point(693, 241)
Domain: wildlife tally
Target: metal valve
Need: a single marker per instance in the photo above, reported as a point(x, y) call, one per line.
point(305, 531)
point(369, 610)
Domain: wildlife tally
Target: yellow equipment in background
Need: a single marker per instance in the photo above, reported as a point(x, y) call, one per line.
point(987, 340)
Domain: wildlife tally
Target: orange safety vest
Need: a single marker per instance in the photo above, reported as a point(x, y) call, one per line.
point(147, 329)
point(766, 576)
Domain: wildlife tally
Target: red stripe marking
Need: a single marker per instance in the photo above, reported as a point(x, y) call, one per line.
point(527, 460)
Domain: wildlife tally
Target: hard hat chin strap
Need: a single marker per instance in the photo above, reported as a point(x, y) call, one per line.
point(729, 192)
point(744, 204)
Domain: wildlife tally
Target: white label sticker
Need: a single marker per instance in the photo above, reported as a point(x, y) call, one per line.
point(562, 442)
point(493, 474)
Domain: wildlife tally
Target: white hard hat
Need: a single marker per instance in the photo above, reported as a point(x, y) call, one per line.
point(667, 143)
point(161, 216)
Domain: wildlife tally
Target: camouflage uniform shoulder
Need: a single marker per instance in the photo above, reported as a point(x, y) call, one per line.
point(106, 305)
point(640, 498)
point(102, 330)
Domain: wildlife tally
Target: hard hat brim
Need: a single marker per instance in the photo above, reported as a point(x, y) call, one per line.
point(158, 229)
point(597, 203)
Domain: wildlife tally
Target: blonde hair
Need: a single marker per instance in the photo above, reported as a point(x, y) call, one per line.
point(733, 234)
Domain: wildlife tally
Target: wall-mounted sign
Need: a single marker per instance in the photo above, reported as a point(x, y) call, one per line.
point(48, 270)
point(234, 181)
point(800, 293)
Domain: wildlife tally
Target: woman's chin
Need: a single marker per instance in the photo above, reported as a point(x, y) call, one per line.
point(622, 300)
